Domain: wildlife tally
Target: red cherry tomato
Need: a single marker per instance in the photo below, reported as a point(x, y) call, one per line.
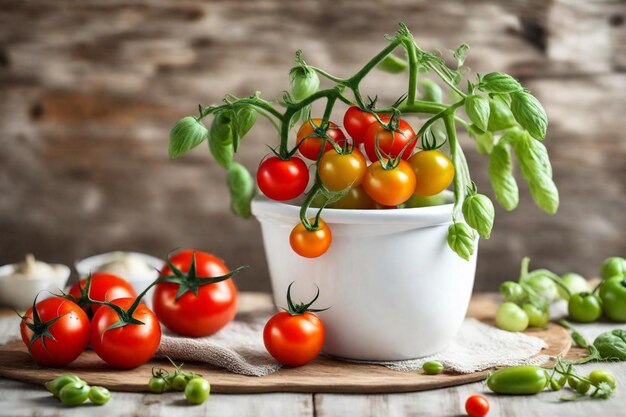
point(103, 287)
point(310, 244)
point(281, 179)
point(390, 143)
point(311, 145)
point(196, 315)
point(63, 331)
point(356, 122)
point(477, 406)
point(294, 340)
point(128, 346)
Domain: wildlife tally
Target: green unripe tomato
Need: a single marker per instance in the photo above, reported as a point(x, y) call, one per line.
point(99, 395)
point(582, 387)
point(179, 382)
point(511, 317)
point(304, 82)
point(599, 375)
point(74, 393)
point(544, 286)
point(59, 382)
point(512, 291)
point(556, 384)
point(426, 201)
point(536, 316)
point(584, 307)
point(574, 283)
point(432, 367)
point(518, 380)
point(613, 266)
point(197, 390)
point(613, 296)
point(158, 385)
point(572, 382)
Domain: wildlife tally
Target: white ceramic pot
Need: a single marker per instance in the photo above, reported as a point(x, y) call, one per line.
point(395, 289)
point(19, 293)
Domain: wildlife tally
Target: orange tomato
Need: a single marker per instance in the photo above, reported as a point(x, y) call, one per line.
point(389, 187)
point(340, 171)
point(310, 244)
point(433, 171)
point(311, 145)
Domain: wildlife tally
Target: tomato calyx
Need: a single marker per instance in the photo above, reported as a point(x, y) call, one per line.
point(428, 145)
point(301, 308)
point(83, 301)
point(191, 281)
point(40, 329)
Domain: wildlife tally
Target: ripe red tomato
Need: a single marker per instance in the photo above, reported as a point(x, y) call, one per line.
point(311, 144)
point(56, 333)
point(281, 179)
point(390, 143)
point(103, 287)
point(310, 244)
point(130, 345)
point(433, 171)
point(389, 187)
point(201, 314)
point(356, 122)
point(477, 406)
point(339, 171)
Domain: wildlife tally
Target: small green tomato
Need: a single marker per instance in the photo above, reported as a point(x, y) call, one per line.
point(584, 307)
point(613, 266)
point(179, 382)
point(599, 375)
point(59, 382)
point(511, 317)
point(512, 291)
point(158, 384)
point(74, 393)
point(574, 283)
point(537, 317)
point(572, 382)
point(197, 390)
point(432, 367)
point(582, 387)
point(99, 395)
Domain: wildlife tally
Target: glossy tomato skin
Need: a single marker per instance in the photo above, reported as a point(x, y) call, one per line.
point(340, 171)
point(477, 406)
point(196, 316)
point(312, 145)
point(434, 172)
point(281, 179)
point(356, 198)
point(356, 122)
point(294, 340)
point(389, 187)
point(104, 287)
point(71, 332)
point(310, 244)
point(128, 346)
point(390, 143)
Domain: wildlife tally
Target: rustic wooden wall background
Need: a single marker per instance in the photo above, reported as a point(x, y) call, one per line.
point(89, 89)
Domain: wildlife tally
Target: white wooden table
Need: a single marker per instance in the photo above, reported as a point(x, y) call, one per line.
point(18, 399)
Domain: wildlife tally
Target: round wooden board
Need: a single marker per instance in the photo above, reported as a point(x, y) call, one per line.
point(322, 375)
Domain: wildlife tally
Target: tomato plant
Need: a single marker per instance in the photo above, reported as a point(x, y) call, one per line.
point(195, 296)
point(55, 331)
point(295, 337)
point(100, 286)
point(339, 171)
point(310, 141)
point(356, 122)
point(389, 185)
point(313, 242)
point(125, 333)
point(392, 140)
point(282, 179)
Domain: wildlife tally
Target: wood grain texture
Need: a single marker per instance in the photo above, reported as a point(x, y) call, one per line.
point(88, 91)
point(322, 375)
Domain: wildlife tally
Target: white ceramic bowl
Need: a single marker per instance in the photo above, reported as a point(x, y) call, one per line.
point(19, 292)
point(139, 282)
point(395, 289)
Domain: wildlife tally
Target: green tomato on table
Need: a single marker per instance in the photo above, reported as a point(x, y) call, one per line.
point(584, 307)
point(613, 266)
point(543, 286)
point(574, 283)
point(613, 296)
point(537, 317)
point(511, 317)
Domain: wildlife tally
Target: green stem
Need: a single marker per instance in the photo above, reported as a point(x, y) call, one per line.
point(446, 80)
point(412, 55)
point(356, 78)
point(327, 75)
point(456, 154)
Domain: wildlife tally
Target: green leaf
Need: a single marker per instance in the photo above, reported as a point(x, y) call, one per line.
point(529, 113)
point(186, 134)
point(430, 90)
point(477, 109)
point(242, 190)
point(500, 116)
point(221, 138)
point(501, 176)
point(499, 83)
point(534, 163)
point(392, 64)
point(244, 119)
point(460, 54)
point(479, 213)
point(461, 239)
point(484, 140)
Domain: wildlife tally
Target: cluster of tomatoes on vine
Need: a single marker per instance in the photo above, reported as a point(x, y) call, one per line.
point(385, 177)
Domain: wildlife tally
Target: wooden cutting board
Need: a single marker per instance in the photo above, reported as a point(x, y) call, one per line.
point(322, 375)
